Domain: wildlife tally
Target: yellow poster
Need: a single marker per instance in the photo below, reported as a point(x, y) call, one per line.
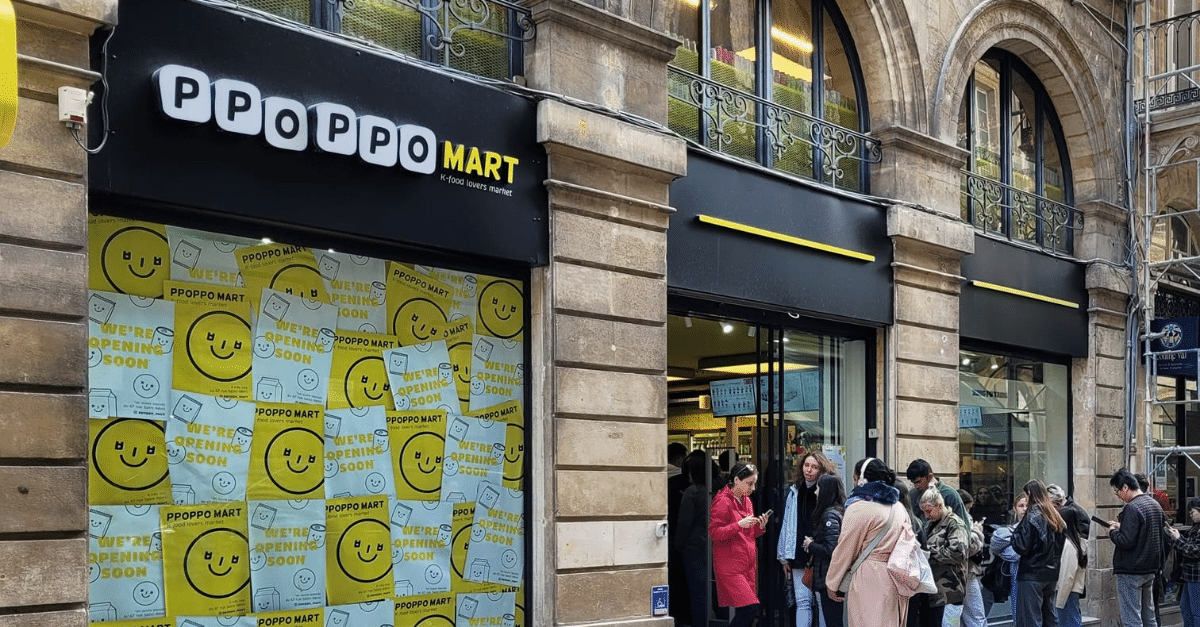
point(501, 311)
point(281, 267)
point(466, 289)
point(417, 449)
point(514, 439)
point(418, 306)
point(127, 256)
point(214, 351)
point(96, 615)
point(314, 616)
point(127, 462)
point(206, 559)
point(460, 336)
point(358, 375)
point(464, 532)
point(427, 610)
point(287, 454)
point(358, 550)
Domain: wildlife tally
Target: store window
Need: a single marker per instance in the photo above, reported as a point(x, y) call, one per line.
point(788, 95)
point(298, 433)
point(1013, 423)
point(1017, 183)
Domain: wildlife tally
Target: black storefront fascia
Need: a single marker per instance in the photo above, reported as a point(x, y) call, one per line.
point(1023, 321)
point(707, 258)
point(198, 171)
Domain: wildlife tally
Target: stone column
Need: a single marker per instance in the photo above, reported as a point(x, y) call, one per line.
point(598, 329)
point(43, 330)
point(928, 249)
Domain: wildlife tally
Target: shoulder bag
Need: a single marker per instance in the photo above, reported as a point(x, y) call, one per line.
point(845, 585)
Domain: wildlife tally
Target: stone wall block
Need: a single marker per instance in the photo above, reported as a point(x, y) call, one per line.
point(1110, 372)
point(28, 287)
point(584, 544)
point(52, 44)
point(605, 293)
point(41, 141)
point(43, 209)
point(926, 308)
point(942, 455)
point(917, 418)
point(42, 498)
point(611, 443)
point(39, 352)
point(928, 383)
point(623, 394)
point(608, 595)
point(46, 426)
point(927, 346)
point(638, 544)
point(65, 618)
point(43, 572)
point(607, 494)
point(1108, 460)
point(611, 244)
point(1109, 342)
point(612, 344)
point(579, 176)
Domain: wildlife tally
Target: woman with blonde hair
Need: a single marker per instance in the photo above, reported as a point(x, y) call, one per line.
point(796, 531)
point(948, 539)
point(871, 526)
point(1038, 539)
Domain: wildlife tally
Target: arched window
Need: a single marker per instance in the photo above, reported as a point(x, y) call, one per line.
point(1017, 182)
point(771, 81)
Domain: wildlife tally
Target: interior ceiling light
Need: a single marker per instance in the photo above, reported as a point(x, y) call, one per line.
point(790, 39)
point(726, 327)
point(746, 364)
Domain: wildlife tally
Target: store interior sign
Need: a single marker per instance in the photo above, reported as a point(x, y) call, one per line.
point(187, 95)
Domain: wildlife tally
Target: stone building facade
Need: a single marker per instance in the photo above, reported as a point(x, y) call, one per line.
point(600, 301)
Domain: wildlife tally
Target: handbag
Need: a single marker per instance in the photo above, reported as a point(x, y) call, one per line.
point(844, 586)
point(806, 578)
point(909, 567)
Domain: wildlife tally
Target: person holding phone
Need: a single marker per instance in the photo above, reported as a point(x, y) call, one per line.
point(1187, 552)
point(734, 530)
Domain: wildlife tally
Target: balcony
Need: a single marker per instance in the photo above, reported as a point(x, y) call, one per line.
point(481, 37)
point(994, 207)
point(745, 126)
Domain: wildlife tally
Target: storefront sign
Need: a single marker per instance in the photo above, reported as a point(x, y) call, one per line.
point(1176, 348)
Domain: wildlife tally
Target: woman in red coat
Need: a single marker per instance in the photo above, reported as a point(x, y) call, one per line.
point(733, 528)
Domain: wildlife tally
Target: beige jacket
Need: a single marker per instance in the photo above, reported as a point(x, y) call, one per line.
point(1071, 578)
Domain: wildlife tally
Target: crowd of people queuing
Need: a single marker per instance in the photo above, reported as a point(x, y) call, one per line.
point(839, 552)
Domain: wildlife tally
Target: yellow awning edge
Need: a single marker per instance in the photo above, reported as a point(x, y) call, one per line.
point(8, 72)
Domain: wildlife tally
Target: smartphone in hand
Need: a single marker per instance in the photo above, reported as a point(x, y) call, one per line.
point(767, 514)
point(1100, 521)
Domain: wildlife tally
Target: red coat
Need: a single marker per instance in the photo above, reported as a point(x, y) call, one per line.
point(734, 552)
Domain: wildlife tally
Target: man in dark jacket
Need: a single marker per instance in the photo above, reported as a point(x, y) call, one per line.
point(1138, 555)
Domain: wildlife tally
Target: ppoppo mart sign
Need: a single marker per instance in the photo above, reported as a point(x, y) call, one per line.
point(188, 95)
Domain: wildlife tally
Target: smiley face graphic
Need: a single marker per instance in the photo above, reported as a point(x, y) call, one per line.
point(98, 522)
point(476, 386)
point(176, 453)
point(146, 593)
point(93, 572)
point(375, 483)
point(367, 383)
point(130, 454)
point(216, 343)
point(402, 402)
point(362, 550)
point(420, 460)
point(217, 563)
point(137, 510)
point(95, 357)
point(225, 247)
point(258, 559)
point(263, 347)
point(433, 575)
point(418, 320)
point(293, 460)
point(146, 386)
point(299, 280)
point(450, 467)
point(241, 439)
point(331, 468)
point(304, 579)
point(133, 260)
point(514, 453)
point(308, 379)
point(508, 559)
point(264, 603)
point(499, 310)
point(224, 483)
point(164, 339)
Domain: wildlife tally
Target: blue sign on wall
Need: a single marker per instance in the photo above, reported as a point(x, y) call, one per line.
point(1179, 334)
point(660, 600)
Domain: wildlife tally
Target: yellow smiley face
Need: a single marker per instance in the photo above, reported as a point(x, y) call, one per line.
point(458, 549)
point(130, 454)
point(364, 550)
point(134, 261)
point(500, 309)
point(514, 453)
point(299, 280)
point(421, 462)
point(294, 460)
point(217, 563)
point(460, 363)
point(367, 383)
point(218, 345)
point(417, 321)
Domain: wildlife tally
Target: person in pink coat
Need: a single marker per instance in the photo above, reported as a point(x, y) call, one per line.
point(734, 528)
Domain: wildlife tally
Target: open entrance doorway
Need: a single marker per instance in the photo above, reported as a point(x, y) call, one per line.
point(764, 388)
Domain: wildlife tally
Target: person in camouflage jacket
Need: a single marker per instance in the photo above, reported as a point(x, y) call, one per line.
point(948, 539)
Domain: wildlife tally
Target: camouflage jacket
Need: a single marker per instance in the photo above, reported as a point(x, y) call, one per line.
point(949, 541)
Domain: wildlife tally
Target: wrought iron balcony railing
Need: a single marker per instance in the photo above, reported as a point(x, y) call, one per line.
point(995, 207)
point(753, 128)
point(1173, 45)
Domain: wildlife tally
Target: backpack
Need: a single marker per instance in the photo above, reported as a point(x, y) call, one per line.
point(997, 579)
point(908, 565)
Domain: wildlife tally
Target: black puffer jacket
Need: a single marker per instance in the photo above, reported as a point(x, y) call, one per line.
point(1039, 546)
point(825, 539)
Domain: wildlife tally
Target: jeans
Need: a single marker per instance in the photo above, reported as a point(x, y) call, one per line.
point(1069, 615)
point(973, 614)
point(743, 616)
point(1189, 603)
point(1035, 604)
point(1136, 594)
point(695, 566)
point(806, 609)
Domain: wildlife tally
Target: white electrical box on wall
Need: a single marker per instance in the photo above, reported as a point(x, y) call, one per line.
point(72, 105)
